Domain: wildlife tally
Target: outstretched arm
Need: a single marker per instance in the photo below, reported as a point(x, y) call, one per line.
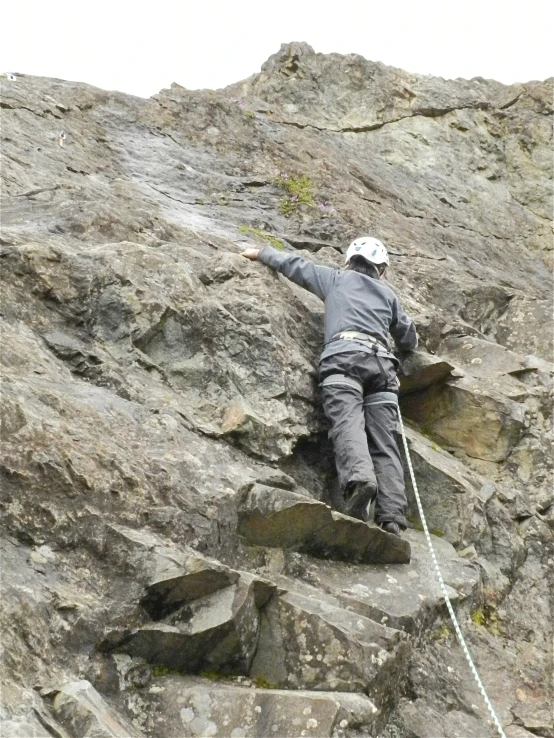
point(316, 279)
point(403, 329)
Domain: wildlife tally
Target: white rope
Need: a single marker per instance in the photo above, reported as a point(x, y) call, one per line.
point(443, 587)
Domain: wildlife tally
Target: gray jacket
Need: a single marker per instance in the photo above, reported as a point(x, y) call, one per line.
point(353, 302)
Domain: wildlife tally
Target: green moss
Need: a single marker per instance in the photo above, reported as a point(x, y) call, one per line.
point(213, 675)
point(415, 522)
point(263, 235)
point(159, 670)
point(250, 114)
point(487, 616)
point(442, 633)
point(478, 617)
point(418, 525)
point(262, 683)
point(298, 191)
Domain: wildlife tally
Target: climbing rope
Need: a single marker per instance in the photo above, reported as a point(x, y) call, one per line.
point(459, 634)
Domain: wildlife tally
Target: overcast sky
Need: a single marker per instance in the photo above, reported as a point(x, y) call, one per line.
point(140, 47)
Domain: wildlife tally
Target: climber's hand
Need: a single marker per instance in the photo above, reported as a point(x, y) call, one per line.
point(251, 254)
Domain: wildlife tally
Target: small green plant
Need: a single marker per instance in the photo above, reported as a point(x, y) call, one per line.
point(298, 191)
point(250, 114)
point(263, 235)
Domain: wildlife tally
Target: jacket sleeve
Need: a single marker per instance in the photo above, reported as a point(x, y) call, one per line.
point(402, 328)
point(316, 279)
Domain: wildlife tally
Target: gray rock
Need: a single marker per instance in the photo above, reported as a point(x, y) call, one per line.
point(450, 493)
point(421, 370)
point(218, 631)
point(173, 576)
point(81, 710)
point(273, 517)
point(151, 375)
point(481, 358)
point(183, 709)
point(403, 597)
point(309, 642)
point(470, 416)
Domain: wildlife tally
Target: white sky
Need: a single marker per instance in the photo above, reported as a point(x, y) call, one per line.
point(140, 47)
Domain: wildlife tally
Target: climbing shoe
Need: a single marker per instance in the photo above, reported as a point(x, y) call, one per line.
point(357, 498)
point(391, 527)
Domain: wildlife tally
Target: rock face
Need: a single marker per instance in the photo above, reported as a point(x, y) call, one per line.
point(170, 562)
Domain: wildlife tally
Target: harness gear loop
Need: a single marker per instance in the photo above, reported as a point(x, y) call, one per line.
point(451, 612)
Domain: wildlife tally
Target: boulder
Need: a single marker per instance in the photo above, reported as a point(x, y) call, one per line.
point(217, 631)
point(481, 358)
point(276, 517)
point(402, 597)
point(181, 708)
point(312, 642)
point(84, 713)
point(173, 576)
point(521, 327)
point(421, 370)
point(453, 497)
point(467, 415)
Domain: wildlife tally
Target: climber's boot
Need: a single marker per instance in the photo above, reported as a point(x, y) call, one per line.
point(391, 527)
point(357, 499)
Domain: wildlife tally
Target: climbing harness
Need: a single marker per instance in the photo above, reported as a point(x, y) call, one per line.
point(365, 338)
point(443, 587)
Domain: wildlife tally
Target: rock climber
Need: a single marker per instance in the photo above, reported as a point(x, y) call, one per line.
point(358, 373)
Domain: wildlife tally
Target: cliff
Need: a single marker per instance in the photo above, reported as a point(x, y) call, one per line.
point(169, 565)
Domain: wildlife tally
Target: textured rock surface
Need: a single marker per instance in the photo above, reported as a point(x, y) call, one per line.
point(273, 517)
point(153, 380)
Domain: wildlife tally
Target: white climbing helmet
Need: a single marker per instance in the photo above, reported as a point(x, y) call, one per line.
point(371, 249)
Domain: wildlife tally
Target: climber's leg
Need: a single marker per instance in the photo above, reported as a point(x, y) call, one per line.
point(381, 415)
point(343, 405)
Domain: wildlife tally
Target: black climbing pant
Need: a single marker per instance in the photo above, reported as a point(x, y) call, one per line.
point(360, 401)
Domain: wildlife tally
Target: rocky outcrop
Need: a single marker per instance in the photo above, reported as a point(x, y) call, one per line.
point(273, 517)
point(170, 561)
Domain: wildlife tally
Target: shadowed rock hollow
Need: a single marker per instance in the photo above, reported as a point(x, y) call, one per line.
point(170, 566)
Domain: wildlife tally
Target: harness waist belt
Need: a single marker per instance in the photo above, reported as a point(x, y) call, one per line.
point(359, 337)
